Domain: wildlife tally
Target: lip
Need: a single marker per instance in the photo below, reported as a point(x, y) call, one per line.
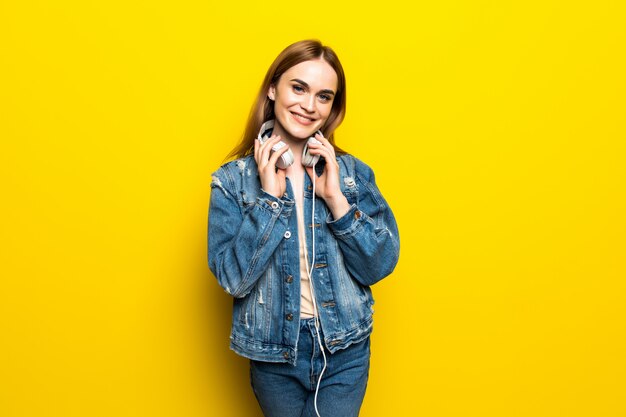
point(302, 119)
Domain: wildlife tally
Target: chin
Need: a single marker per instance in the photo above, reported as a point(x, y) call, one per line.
point(300, 131)
point(304, 134)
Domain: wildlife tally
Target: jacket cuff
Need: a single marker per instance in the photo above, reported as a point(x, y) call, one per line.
point(274, 204)
point(347, 223)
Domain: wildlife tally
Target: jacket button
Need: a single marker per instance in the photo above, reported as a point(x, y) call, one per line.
point(287, 234)
point(357, 214)
point(274, 205)
point(286, 355)
point(289, 316)
point(289, 279)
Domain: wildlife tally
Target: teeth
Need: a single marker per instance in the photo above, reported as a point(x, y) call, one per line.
point(302, 117)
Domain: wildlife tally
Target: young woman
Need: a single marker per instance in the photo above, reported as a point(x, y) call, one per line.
point(297, 246)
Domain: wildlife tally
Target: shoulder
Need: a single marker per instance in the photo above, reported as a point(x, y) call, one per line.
point(237, 167)
point(356, 167)
point(230, 173)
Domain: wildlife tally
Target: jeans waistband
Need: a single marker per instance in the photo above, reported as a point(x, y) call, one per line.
point(305, 323)
point(308, 325)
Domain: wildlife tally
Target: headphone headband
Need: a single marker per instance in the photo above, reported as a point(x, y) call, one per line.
point(269, 125)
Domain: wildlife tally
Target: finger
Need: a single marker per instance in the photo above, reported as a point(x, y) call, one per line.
point(274, 139)
point(267, 147)
point(326, 143)
point(277, 154)
point(319, 149)
point(263, 143)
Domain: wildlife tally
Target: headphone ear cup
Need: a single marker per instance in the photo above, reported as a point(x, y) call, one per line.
point(285, 159)
point(309, 160)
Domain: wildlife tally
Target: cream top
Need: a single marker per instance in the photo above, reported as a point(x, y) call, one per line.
point(306, 299)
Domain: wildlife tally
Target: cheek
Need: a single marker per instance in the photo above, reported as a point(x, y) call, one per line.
point(287, 101)
point(326, 109)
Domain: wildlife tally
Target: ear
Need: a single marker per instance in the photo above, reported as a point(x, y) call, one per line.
point(271, 92)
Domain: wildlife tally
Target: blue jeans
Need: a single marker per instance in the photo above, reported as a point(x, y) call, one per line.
point(284, 390)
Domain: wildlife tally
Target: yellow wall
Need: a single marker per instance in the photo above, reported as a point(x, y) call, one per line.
point(497, 132)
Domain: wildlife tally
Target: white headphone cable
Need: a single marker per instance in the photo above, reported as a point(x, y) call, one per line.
point(310, 272)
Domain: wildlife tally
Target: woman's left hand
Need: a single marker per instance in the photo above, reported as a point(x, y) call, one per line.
point(327, 185)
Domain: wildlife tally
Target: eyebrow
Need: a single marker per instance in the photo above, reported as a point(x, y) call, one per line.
point(327, 91)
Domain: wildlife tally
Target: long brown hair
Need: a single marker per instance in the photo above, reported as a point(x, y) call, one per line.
point(263, 108)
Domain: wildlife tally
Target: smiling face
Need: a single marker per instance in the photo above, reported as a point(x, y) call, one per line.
point(303, 99)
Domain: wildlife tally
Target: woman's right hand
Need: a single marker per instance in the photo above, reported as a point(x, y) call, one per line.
point(272, 179)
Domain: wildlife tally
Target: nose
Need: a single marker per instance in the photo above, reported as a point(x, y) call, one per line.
point(308, 103)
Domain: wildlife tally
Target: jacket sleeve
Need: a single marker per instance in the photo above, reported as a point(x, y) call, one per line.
point(241, 242)
point(367, 234)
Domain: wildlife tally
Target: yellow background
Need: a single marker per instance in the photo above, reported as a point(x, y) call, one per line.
point(497, 133)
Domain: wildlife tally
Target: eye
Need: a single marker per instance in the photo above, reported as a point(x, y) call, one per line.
point(325, 97)
point(298, 89)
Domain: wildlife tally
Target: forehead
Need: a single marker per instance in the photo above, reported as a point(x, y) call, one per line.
point(317, 74)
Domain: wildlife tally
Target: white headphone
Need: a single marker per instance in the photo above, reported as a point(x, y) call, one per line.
point(286, 158)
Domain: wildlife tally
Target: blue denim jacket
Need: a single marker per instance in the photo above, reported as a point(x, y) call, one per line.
point(253, 252)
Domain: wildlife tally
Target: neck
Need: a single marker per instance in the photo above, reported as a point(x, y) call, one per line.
point(296, 145)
